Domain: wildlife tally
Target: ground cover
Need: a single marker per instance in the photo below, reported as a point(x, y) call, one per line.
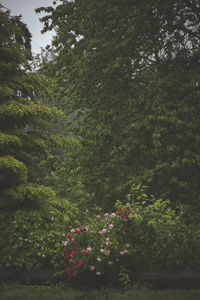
point(18, 292)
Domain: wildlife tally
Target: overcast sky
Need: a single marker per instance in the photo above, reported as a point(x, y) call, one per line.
point(29, 16)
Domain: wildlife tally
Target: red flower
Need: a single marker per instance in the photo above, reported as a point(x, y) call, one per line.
point(125, 228)
point(74, 274)
point(69, 236)
point(71, 260)
point(75, 243)
point(68, 270)
point(73, 253)
point(85, 252)
point(80, 263)
point(76, 231)
point(67, 256)
point(119, 213)
point(125, 215)
point(127, 207)
point(137, 234)
point(74, 248)
point(64, 250)
point(120, 208)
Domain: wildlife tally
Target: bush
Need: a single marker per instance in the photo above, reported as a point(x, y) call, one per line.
point(32, 239)
point(144, 233)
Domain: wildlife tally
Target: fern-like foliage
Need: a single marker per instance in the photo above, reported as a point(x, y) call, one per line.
point(27, 121)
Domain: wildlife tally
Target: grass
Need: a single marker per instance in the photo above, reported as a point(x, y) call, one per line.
point(20, 292)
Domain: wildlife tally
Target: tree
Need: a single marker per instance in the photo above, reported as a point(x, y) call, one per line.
point(132, 72)
point(26, 123)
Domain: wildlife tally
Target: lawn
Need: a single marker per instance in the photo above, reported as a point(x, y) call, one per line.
point(20, 292)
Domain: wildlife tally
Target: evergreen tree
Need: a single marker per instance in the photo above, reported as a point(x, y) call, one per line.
point(131, 69)
point(26, 122)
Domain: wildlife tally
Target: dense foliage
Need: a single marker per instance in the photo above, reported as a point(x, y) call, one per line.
point(126, 74)
point(130, 70)
point(32, 218)
point(25, 119)
point(142, 234)
point(33, 239)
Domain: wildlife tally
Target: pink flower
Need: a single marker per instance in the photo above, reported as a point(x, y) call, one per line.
point(65, 243)
point(102, 231)
point(108, 243)
point(80, 263)
point(107, 239)
point(68, 269)
point(72, 230)
point(86, 229)
point(71, 261)
point(74, 274)
point(98, 273)
point(98, 216)
point(69, 236)
point(73, 253)
point(110, 263)
point(113, 215)
point(89, 249)
point(92, 268)
point(107, 252)
point(127, 245)
point(121, 253)
point(119, 213)
point(98, 259)
point(111, 226)
point(85, 252)
point(125, 251)
point(106, 214)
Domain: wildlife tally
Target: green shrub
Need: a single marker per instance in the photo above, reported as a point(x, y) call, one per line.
point(33, 239)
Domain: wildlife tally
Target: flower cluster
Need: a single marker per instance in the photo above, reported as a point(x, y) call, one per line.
point(72, 252)
point(124, 214)
point(101, 244)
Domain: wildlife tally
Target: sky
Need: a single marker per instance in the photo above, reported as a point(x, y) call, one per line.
point(29, 16)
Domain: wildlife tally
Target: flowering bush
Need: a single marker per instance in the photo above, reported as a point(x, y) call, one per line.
point(103, 244)
point(142, 234)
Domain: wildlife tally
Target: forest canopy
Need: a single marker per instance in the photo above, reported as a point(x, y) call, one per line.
point(130, 75)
